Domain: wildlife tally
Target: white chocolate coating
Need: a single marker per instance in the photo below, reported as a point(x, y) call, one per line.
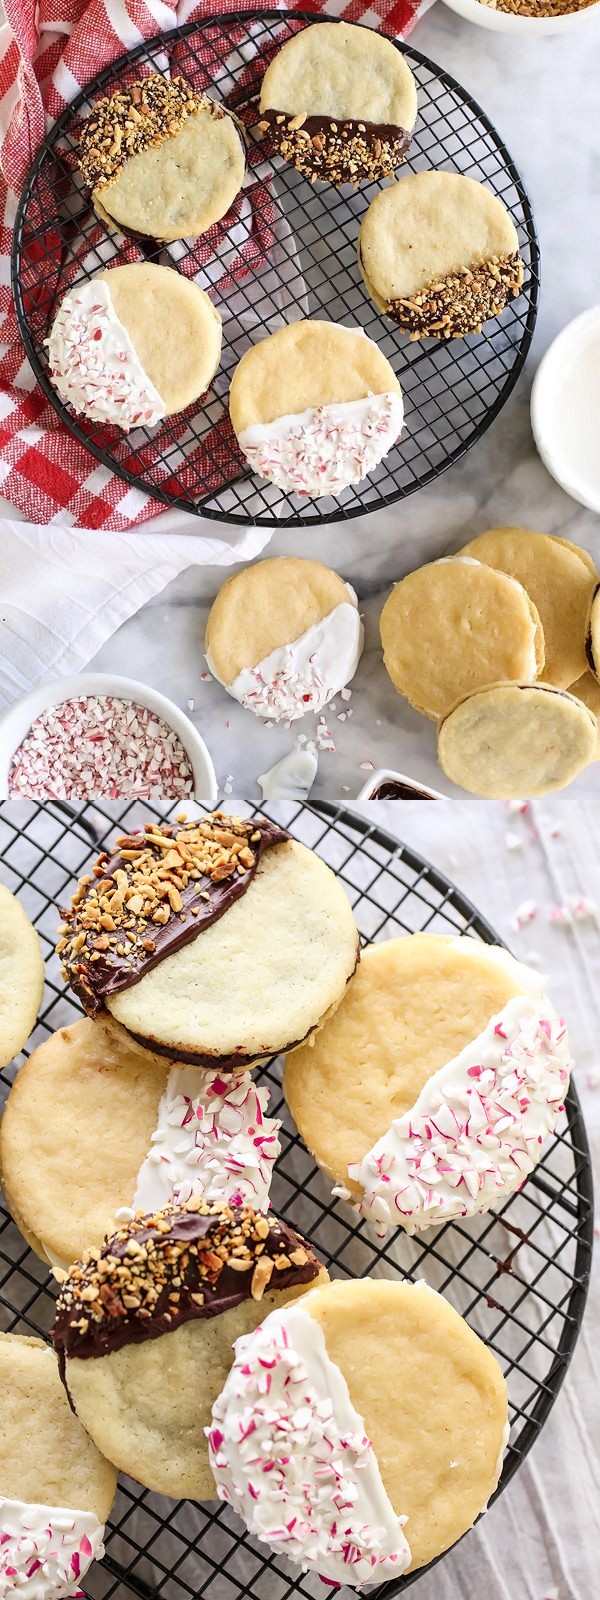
point(304, 675)
point(94, 365)
point(45, 1551)
point(326, 448)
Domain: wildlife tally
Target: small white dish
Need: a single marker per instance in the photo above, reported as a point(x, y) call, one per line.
point(16, 722)
point(510, 22)
point(565, 409)
point(386, 775)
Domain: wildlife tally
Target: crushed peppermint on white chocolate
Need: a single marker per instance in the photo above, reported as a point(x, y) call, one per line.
point(477, 1128)
point(215, 1140)
point(289, 1452)
point(45, 1550)
point(326, 448)
point(94, 365)
point(99, 746)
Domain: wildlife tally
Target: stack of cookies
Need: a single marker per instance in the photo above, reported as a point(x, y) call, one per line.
point(137, 1155)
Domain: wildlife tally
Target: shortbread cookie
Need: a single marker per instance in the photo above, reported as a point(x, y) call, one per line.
point(284, 636)
point(339, 102)
point(133, 345)
point(56, 1488)
point(512, 739)
point(592, 632)
point(587, 689)
point(315, 407)
point(439, 254)
point(559, 582)
point(93, 1131)
point(21, 976)
point(144, 1360)
point(453, 626)
point(161, 159)
point(230, 941)
point(415, 1005)
point(396, 1418)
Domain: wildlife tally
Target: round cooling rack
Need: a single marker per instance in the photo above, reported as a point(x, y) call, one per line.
point(519, 1276)
point(286, 249)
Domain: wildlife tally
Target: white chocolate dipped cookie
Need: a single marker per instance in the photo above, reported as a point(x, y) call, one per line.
point(56, 1488)
point(133, 345)
point(161, 159)
point(94, 1130)
point(239, 941)
point(429, 1095)
point(145, 1327)
point(380, 1390)
point(21, 976)
point(439, 255)
point(315, 407)
point(339, 103)
point(284, 636)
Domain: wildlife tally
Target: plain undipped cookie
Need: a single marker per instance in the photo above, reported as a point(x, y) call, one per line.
point(283, 636)
point(161, 159)
point(439, 254)
point(587, 688)
point(558, 580)
point(143, 1375)
point(454, 625)
point(21, 976)
point(513, 739)
point(134, 345)
point(315, 407)
point(340, 102)
point(393, 1379)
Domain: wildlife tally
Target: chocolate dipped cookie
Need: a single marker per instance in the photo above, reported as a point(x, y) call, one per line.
point(145, 1327)
point(216, 942)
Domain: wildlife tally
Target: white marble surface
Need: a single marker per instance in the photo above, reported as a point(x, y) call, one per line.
point(542, 95)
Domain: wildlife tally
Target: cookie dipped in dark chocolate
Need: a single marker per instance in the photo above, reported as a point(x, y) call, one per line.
point(159, 891)
point(179, 1264)
point(341, 150)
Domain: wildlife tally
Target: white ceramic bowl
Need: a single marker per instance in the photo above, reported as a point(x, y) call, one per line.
point(385, 775)
point(16, 722)
point(509, 22)
point(565, 409)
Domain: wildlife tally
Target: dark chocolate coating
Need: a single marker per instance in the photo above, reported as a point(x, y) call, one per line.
point(392, 789)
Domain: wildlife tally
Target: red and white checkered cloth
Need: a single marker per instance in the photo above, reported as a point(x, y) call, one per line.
point(48, 52)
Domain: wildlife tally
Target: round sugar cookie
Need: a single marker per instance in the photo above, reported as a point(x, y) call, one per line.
point(56, 1489)
point(414, 1005)
point(558, 581)
point(145, 1370)
point(315, 407)
point(238, 940)
point(514, 739)
point(94, 1130)
point(284, 636)
point(439, 254)
point(162, 160)
point(455, 625)
point(134, 345)
point(404, 1417)
point(339, 102)
point(587, 688)
point(21, 976)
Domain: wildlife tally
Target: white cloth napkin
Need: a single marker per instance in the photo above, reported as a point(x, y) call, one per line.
point(63, 591)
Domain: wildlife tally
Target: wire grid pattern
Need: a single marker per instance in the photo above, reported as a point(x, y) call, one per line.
point(297, 256)
point(518, 1276)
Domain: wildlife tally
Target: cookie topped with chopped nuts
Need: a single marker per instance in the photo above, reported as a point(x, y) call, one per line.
point(162, 159)
point(145, 1327)
point(215, 942)
point(439, 255)
point(339, 102)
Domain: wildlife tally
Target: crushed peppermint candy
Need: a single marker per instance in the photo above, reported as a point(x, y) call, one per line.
point(524, 913)
point(45, 1551)
point(289, 693)
point(289, 1452)
point(215, 1140)
point(477, 1128)
point(100, 746)
point(326, 448)
point(94, 365)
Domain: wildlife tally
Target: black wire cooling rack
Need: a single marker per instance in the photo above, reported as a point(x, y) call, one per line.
point(519, 1276)
point(287, 250)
